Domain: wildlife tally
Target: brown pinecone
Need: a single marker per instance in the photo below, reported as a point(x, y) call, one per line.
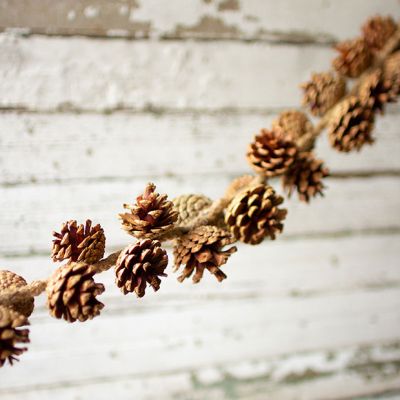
point(253, 214)
point(79, 243)
point(306, 177)
point(201, 249)
point(21, 304)
point(72, 291)
point(323, 91)
point(11, 335)
point(294, 124)
point(377, 30)
point(189, 206)
point(150, 216)
point(377, 91)
point(351, 125)
point(354, 58)
point(271, 153)
point(391, 71)
point(140, 264)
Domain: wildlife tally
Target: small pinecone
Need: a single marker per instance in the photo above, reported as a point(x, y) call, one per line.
point(294, 124)
point(377, 91)
point(11, 335)
point(21, 304)
point(72, 291)
point(253, 214)
point(323, 91)
point(391, 71)
point(189, 206)
point(79, 243)
point(377, 30)
point(271, 153)
point(150, 216)
point(354, 58)
point(201, 249)
point(140, 264)
point(305, 177)
point(351, 125)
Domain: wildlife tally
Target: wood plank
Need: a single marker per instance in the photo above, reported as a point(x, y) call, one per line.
point(42, 73)
point(125, 145)
point(32, 212)
point(223, 19)
point(329, 310)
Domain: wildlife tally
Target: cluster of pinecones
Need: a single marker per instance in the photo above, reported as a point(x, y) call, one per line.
point(286, 149)
point(204, 231)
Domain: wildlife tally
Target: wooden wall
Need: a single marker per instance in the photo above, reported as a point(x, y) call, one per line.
point(97, 98)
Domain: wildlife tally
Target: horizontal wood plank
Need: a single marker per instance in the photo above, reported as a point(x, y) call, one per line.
point(65, 147)
point(304, 325)
point(223, 19)
point(42, 73)
point(29, 214)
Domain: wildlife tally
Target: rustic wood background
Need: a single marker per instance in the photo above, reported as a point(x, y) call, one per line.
point(97, 98)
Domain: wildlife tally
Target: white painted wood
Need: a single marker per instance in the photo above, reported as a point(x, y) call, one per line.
point(308, 20)
point(336, 317)
point(49, 73)
point(64, 147)
point(32, 212)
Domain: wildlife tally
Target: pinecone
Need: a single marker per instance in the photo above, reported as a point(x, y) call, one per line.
point(377, 30)
point(201, 249)
point(271, 153)
point(140, 264)
point(293, 123)
point(11, 335)
point(253, 214)
point(21, 304)
point(306, 177)
point(150, 216)
point(354, 58)
point(351, 125)
point(72, 291)
point(323, 91)
point(189, 206)
point(376, 91)
point(79, 243)
point(391, 71)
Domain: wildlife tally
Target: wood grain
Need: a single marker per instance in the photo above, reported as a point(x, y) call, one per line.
point(223, 19)
point(329, 321)
point(69, 147)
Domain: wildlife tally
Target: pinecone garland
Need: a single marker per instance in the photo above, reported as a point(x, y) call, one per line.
point(150, 216)
point(377, 30)
point(202, 248)
point(294, 124)
point(72, 292)
point(21, 304)
point(271, 153)
point(189, 206)
point(322, 92)
point(12, 335)
point(79, 243)
point(351, 125)
point(354, 58)
point(376, 91)
point(305, 177)
point(140, 264)
point(253, 214)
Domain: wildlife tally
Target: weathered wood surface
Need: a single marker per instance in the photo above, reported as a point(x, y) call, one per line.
point(280, 325)
point(32, 212)
point(86, 122)
point(315, 21)
point(69, 147)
